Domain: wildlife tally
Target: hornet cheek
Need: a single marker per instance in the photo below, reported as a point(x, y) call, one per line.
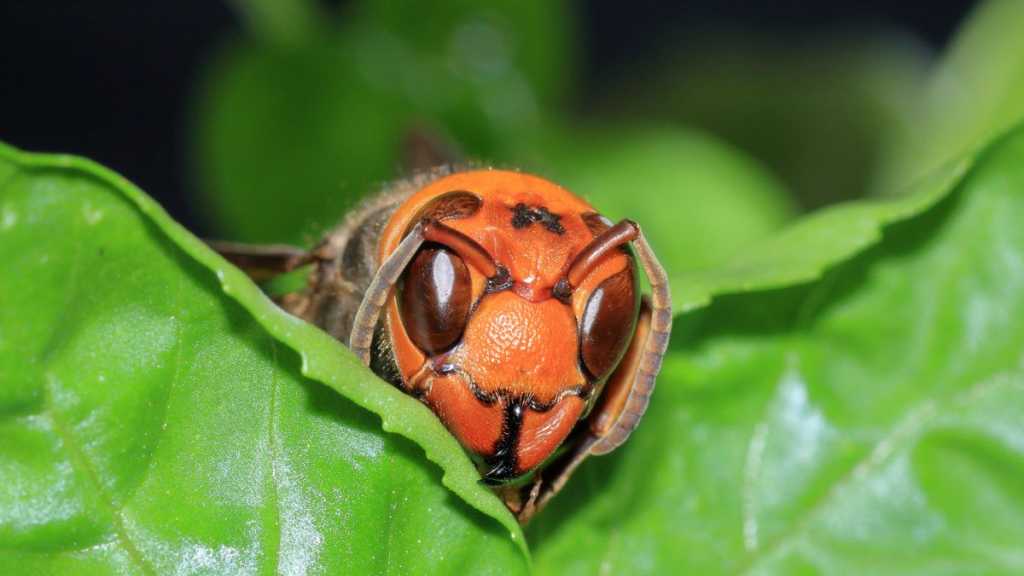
point(476, 424)
point(543, 432)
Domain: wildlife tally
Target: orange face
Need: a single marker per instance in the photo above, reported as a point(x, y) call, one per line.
point(485, 326)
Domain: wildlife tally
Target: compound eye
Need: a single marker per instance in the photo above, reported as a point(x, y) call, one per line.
point(608, 322)
point(435, 299)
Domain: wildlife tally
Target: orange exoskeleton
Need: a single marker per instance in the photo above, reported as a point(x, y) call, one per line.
point(506, 304)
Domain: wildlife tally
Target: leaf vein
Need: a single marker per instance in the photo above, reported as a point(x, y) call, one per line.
point(907, 426)
point(81, 461)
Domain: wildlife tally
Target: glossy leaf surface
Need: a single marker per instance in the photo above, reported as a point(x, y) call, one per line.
point(866, 423)
point(152, 424)
point(290, 136)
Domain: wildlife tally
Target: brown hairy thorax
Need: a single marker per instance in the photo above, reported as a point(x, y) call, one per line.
point(346, 259)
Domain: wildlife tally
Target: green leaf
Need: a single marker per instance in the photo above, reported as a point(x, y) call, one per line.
point(159, 415)
point(866, 423)
point(288, 138)
point(975, 94)
point(805, 249)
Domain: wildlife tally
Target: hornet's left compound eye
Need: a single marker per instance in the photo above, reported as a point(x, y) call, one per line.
point(435, 299)
point(608, 321)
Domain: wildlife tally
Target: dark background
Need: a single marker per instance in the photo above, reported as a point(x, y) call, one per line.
point(111, 80)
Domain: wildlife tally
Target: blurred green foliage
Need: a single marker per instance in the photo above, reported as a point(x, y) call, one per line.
point(842, 393)
point(290, 135)
point(972, 97)
point(821, 111)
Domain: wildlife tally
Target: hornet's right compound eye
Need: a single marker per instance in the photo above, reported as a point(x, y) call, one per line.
point(435, 299)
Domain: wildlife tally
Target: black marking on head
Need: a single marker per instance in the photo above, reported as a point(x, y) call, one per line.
point(582, 391)
point(501, 280)
point(504, 461)
point(562, 291)
point(551, 221)
point(523, 216)
point(484, 397)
